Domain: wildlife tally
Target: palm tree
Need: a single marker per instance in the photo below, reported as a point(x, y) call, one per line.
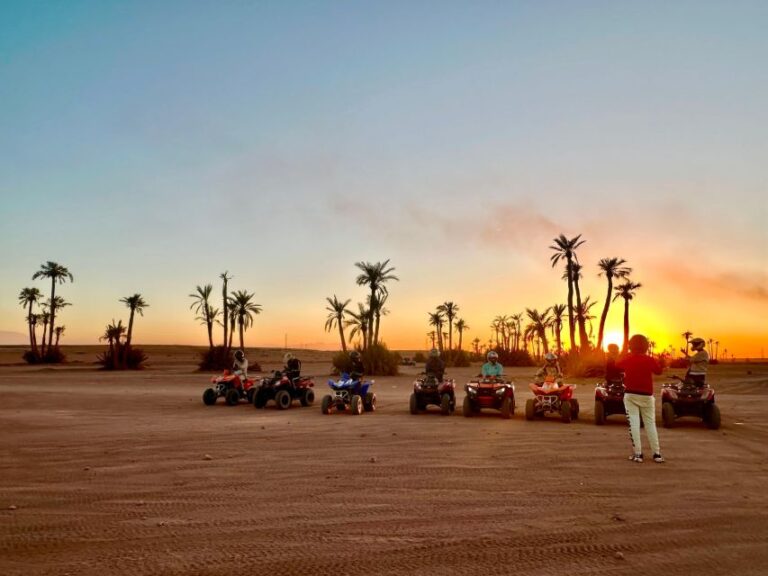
point(461, 325)
point(626, 290)
point(611, 268)
point(59, 332)
point(540, 321)
point(225, 314)
point(28, 297)
point(565, 249)
point(584, 313)
point(432, 335)
point(437, 320)
point(243, 310)
point(135, 303)
point(580, 322)
point(375, 276)
point(717, 349)
point(336, 310)
point(687, 336)
point(113, 333)
point(33, 322)
point(449, 309)
point(58, 274)
point(202, 307)
point(558, 310)
point(358, 321)
point(476, 345)
point(378, 312)
point(46, 318)
point(518, 320)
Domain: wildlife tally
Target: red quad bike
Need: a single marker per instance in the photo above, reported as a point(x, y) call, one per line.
point(284, 391)
point(489, 392)
point(429, 390)
point(609, 400)
point(683, 398)
point(547, 399)
point(231, 388)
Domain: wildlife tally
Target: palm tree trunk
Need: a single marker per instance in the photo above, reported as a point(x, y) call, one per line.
point(571, 326)
point(341, 333)
point(130, 328)
point(461, 335)
point(209, 324)
point(242, 344)
point(372, 316)
point(544, 342)
point(231, 334)
point(31, 330)
point(378, 322)
point(604, 314)
point(625, 347)
point(53, 312)
point(583, 338)
point(225, 316)
point(45, 333)
point(559, 327)
point(450, 334)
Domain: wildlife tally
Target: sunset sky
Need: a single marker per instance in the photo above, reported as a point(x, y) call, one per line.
point(149, 146)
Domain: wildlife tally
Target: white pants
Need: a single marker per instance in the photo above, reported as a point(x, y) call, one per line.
point(637, 405)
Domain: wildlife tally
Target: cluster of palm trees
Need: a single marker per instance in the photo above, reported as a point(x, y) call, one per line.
point(236, 312)
point(365, 322)
point(446, 314)
point(121, 354)
point(45, 351)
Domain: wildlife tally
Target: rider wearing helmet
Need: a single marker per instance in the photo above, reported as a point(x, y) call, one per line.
point(357, 368)
point(240, 366)
point(292, 368)
point(435, 366)
point(612, 373)
point(492, 367)
point(550, 371)
point(698, 362)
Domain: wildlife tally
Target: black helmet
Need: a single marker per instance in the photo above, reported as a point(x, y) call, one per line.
point(239, 355)
point(354, 354)
point(638, 344)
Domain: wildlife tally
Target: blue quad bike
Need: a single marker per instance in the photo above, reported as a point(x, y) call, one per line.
point(348, 392)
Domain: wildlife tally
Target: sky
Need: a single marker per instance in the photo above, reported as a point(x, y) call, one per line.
point(151, 145)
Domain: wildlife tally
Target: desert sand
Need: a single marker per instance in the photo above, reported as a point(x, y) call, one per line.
point(129, 473)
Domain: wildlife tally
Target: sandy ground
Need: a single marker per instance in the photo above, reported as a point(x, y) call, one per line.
point(105, 473)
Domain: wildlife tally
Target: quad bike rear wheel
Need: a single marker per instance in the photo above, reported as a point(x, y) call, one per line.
point(325, 405)
point(356, 404)
point(308, 397)
point(668, 414)
point(233, 397)
point(260, 399)
point(468, 409)
point(599, 413)
point(574, 409)
point(413, 404)
point(565, 411)
point(209, 397)
point(283, 399)
point(445, 404)
point(369, 402)
point(530, 409)
point(507, 408)
point(249, 395)
point(712, 416)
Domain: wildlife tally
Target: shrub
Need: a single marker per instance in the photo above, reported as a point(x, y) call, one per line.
point(456, 358)
point(513, 358)
point(377, 361)
point(220, 358)
point(583, 364)
point(128, 358)
point(419, 357)
point(52, 356)
point(678, 363)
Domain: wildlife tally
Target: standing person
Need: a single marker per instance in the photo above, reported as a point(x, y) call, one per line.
point(435, 366)
point(698, 363)
point(492, 368)
point(639, 369)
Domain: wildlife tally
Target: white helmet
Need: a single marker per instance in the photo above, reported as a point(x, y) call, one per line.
point(492, 355)
point(288, 356)
point(435, 353)
point(550, 358)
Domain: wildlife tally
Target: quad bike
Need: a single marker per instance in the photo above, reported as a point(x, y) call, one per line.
point(489, 392)
point(230, 387)
point(609, 400)
point(550, 398)
point(428, 389)
point(685, 398)
point(349, 392)
point(284, 390)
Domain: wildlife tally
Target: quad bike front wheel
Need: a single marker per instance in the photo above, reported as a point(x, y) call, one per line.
point(668, 414)
point(325, 405)
point(249, 395)
point(599, 413)
point(445, 404)
point(467, 407)
point(308, 398)
point(369, 402)
point(260, 399)
point(283, 399)
point(233, 397)
point(712, 416)
point(356, 404)
point(565, 411)
point(209, 397)
point(507, 408)
point(530, 409)
point(413, 404)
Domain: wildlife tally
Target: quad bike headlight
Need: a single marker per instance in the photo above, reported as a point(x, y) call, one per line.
point(471, 390)
point(501, 391)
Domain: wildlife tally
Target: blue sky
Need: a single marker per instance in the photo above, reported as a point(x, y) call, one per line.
point(149, 146)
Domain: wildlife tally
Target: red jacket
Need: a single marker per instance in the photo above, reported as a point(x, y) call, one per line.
point(638, 373)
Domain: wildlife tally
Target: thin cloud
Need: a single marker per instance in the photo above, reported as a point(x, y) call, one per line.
point(721, 284)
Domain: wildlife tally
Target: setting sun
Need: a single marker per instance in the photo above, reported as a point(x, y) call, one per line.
point(613, 337)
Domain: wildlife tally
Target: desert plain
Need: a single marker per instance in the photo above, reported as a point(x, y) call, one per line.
point(129, 473)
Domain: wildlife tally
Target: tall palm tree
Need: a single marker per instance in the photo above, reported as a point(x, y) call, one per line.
point(687, 336)
point(565, 249)
point(336, 310)
point(243, 310)
point(28, 297)
point(225, 303)
point(59, 331)
point(540, 321)
point(202, 307)
point(437, 320)
point(378, 311)
point(461, 325)
point(558, 311)
point(375, 276)
point(626, 290)
point(580, 322)
point(58, 274)
point(358, 321)
point(611, 268)
point(135, 303)
point(449, 310)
